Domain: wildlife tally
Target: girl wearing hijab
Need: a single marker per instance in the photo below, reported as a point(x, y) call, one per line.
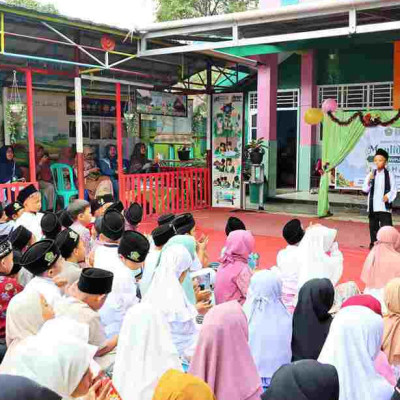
point(145, 352)
point(223, 358)
point(305, 380)
point(167, 295)
point(9, 172)
point(382, 365)
point(270, 324)
point(382, 264)
point(20, 388)
point(233, 276)
point(311, 319)
point(391, 320)
point(314, 259)
point(27, 312)
point(352, 345)
point(177, 385)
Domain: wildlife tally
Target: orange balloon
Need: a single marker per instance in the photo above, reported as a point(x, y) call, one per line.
point(313, 116)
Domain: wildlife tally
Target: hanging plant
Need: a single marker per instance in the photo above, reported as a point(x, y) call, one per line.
point(16, 114)
point(131, 116)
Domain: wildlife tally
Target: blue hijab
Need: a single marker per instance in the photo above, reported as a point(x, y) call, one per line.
point(7, 167)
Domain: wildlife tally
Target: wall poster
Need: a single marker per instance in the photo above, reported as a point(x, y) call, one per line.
point(161, 103)
point(227, 147)
point(350, 174)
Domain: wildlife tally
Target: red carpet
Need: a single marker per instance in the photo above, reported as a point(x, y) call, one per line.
point(267, 229)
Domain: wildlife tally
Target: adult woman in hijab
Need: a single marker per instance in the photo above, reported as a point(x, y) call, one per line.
point(270, 324)
point(95, 183)
point(382, 264)
point(9, 171)
point(27, 312)
point(352, 345)
point(306, 380)
point(20, 388)
point(145, 352)
point(313, 258)
point(391, 320)
point(223, 358)
point(234, 274)
point(139, 163)
point(177, 385)
point(166, 294)
point(311, 319)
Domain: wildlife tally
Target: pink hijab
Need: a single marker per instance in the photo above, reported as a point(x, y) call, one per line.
point(223, 358)
point(234, 267)
point(383, 262)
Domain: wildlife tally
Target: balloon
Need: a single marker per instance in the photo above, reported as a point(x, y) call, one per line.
point(329, 105)
point(313, 116)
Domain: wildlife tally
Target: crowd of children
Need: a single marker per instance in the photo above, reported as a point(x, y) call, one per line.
point(91, 308)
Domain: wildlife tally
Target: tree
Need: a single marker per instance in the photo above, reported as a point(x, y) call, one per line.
point(181, 9)
point(34, 5)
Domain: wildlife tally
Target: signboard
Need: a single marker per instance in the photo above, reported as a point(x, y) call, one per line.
point(227, 146)
point(160, 103)
point(350, 174)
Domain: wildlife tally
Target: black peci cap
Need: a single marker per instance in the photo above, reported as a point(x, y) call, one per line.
point(5, 247)
point(95, 281)
point(67, 241)
point(383, 153)
point(65, 218)
point(234, 224)
point(41, 256)
point(20, 237)
point(162, 234)
point(25, 193)
point(117, 206)
point(184, 223)
point(165, 219)
point(16, 262)
point(50, 225)
point(293, 232)
point(113, 224)
point(134, 214)
point(134, 246)
point(13, 208)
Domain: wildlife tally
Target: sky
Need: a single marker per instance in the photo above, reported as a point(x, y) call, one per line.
point(120, 13)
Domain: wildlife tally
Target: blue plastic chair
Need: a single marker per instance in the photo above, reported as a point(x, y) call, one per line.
point(62, 173)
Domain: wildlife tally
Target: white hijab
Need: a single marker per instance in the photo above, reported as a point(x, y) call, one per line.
point(145, 352)
point(353, 343)
point(166, 292)
point(313, 258)
point(24, 316)
point(270, 323)
point(57, 357)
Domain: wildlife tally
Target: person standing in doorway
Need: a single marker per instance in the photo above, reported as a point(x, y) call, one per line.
point(381, 187)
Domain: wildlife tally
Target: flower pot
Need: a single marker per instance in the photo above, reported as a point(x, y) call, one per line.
point(256, 157)
point(184, 155)
point(16, 108)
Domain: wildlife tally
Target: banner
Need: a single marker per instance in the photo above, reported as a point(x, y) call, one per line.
point(227, 145)
point(350, 174)
point(161, 103)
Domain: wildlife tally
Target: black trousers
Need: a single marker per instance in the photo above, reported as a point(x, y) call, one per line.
point(376, 221)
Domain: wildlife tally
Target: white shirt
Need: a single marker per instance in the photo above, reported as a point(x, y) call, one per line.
point(149, 269)
point(47, 288)
point(379, 190)
point(123, 293)
point(31, 222)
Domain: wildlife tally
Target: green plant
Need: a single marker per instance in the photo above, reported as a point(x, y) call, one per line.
point(16, 121)
point(256, 145)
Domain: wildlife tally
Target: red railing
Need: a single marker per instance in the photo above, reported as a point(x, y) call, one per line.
point(10, 191)
point(176, 191)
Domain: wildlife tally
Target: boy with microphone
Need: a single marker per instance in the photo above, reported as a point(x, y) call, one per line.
point(381, 187)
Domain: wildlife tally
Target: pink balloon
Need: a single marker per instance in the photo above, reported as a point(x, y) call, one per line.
point(329, 105)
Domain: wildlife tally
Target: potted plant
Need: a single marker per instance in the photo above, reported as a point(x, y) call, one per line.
point(184, 153)
point(256, 150)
